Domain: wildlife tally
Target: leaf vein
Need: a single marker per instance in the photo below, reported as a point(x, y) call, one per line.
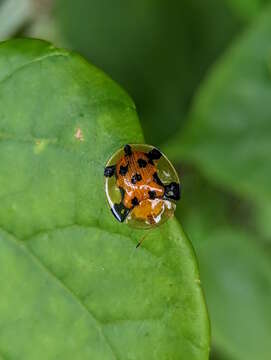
point(34, 257)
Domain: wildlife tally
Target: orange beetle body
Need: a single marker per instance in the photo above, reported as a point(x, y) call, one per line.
point(142, 191)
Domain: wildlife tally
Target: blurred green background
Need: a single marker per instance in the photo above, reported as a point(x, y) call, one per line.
point(200, 75)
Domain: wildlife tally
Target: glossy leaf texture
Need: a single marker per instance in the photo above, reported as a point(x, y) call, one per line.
point(73, 285)
point(228, 132)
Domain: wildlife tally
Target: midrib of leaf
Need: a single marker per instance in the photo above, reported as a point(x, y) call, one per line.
point(20, 244)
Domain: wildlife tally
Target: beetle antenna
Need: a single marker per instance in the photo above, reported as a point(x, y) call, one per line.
point(141, 241)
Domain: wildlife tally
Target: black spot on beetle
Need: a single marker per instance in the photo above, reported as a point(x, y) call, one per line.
point(122, 192)
point(123, 170)
point(142, 163)
point(135, 201)
point(172, 191)
point(157, 180)
point(152, 194)
point(135, 178)
point(109, 171)
point(154, 154)
point(127, 150)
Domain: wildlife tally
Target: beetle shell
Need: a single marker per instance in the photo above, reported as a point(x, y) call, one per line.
point(145, 200)
point(138, 182)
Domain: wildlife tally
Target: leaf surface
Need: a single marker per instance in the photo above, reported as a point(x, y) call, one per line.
point(73, 285)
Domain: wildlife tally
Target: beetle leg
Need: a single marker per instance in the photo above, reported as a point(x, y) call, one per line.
point(157, 179)
point(122, 192)
point(120, 212)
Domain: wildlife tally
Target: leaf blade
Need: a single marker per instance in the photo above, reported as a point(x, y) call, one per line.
point(53, 203)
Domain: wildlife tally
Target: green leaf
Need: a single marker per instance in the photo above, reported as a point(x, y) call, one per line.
point(247, 9)
point(73, 285)
point(237, 282)
point(159, 50)
point(235, 270)
point(228, 132)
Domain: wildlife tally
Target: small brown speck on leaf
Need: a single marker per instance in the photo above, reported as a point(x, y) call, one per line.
point(79, 135)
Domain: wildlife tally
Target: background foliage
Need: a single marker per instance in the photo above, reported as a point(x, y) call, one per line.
point(199, 73)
